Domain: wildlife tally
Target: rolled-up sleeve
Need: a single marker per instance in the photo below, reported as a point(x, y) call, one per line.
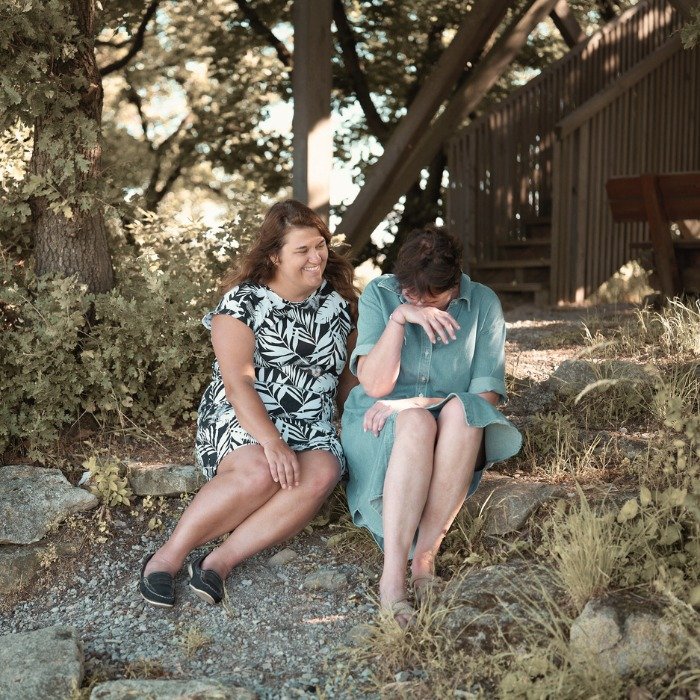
point(488, 364)
point(371, 323)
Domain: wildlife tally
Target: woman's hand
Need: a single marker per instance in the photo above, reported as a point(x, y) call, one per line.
point(435, 322)
point(376, 416)
point(283, 462)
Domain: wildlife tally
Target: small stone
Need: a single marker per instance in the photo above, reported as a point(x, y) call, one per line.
point(282, 557)
point(403, 676)
point(359, 634)
point(325, 580)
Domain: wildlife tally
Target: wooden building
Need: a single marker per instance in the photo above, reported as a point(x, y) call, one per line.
point(527, 179)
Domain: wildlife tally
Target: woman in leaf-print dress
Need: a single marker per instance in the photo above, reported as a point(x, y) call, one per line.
point(265, 438)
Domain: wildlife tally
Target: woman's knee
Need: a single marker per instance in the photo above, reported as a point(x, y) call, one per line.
point(416, 421)
point(251, 474)
point(322, 477)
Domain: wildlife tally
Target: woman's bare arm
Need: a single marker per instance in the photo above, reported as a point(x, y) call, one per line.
point(234, 344)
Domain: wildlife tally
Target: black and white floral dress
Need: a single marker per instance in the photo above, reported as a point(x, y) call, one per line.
point(300, 351)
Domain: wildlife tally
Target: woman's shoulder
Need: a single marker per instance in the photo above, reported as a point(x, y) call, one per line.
point(381, 285)
point(242, 302)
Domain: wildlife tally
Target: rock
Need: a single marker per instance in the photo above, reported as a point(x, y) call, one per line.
point(325, 580)
point(169, 690)
point(46, 664)
point(360, 635)
point(32, 499)
point(20, 564)
point(155, 479)
point(490, 602)
point(506, 504)
point(573, 376)
point(624, 635)
point(282, 557)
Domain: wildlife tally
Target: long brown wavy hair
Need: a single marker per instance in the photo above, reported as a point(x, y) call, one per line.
point(256, 264)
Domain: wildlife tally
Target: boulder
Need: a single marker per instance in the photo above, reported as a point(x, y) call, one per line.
point(169, 690)
point(46, 664)
point(506, 504)
point(624, 634)
point(156, 479)
point(573, 376)
point(496, 601)
point(21, 564)
point(33, 499)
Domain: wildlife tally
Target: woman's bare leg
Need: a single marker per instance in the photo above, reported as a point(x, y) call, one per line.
point(242, 484)
point(406, 487)
point(456, 452)
point(280, 517)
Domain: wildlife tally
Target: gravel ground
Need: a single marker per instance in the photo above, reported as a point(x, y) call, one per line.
point(273, 635)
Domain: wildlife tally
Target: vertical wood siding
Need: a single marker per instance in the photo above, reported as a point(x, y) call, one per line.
point(654, 127)
point(502, 166)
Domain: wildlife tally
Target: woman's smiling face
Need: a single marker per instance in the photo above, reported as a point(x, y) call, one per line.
point(300, 263)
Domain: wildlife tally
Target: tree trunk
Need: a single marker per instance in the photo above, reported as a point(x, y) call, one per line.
point(75, 244)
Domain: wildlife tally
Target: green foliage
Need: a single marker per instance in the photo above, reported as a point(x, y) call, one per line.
point(41, 84)
point(133, 358)
point(690, 32)
point(108, 482)
point(143, 356)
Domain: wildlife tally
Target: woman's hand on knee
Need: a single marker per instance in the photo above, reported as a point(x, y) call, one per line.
point(377, 415)
point(283, 462)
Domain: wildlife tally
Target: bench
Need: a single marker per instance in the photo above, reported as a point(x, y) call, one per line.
point(660, 200)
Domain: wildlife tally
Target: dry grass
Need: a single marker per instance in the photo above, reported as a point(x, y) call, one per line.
point(586, 547)
point(192, 639)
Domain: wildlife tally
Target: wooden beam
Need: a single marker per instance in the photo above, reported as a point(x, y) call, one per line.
point(466, 46)
point(665, 262)
point(312, 140)
point(481, 79)
point(569, 28)
point(623, 83)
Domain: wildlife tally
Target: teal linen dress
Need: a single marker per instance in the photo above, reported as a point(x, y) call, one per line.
point(471, 364)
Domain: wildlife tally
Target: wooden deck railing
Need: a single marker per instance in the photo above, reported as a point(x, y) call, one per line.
point(646, 122)
point(501, 165)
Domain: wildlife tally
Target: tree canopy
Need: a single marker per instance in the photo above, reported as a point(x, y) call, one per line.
point(197, 101)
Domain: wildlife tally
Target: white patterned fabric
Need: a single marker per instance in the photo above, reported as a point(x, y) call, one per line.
point(300, 351)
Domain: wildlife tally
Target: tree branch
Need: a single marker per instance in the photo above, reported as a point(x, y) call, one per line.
point(264, 31)
point(133, 96)
point(346, 39)
point(136, 44)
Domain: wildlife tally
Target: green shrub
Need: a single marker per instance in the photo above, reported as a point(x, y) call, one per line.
point(142, 357)
point(134, 358)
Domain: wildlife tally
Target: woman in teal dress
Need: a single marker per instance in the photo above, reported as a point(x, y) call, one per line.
point(422, 426)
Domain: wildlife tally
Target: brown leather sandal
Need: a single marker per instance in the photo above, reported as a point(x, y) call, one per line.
point(403, 612)
point(425, 587)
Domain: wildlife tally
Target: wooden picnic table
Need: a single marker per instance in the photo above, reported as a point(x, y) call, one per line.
point(660, 199)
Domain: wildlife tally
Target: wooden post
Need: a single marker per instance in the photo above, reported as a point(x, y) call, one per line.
point(312, 140)
point(660, 232)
